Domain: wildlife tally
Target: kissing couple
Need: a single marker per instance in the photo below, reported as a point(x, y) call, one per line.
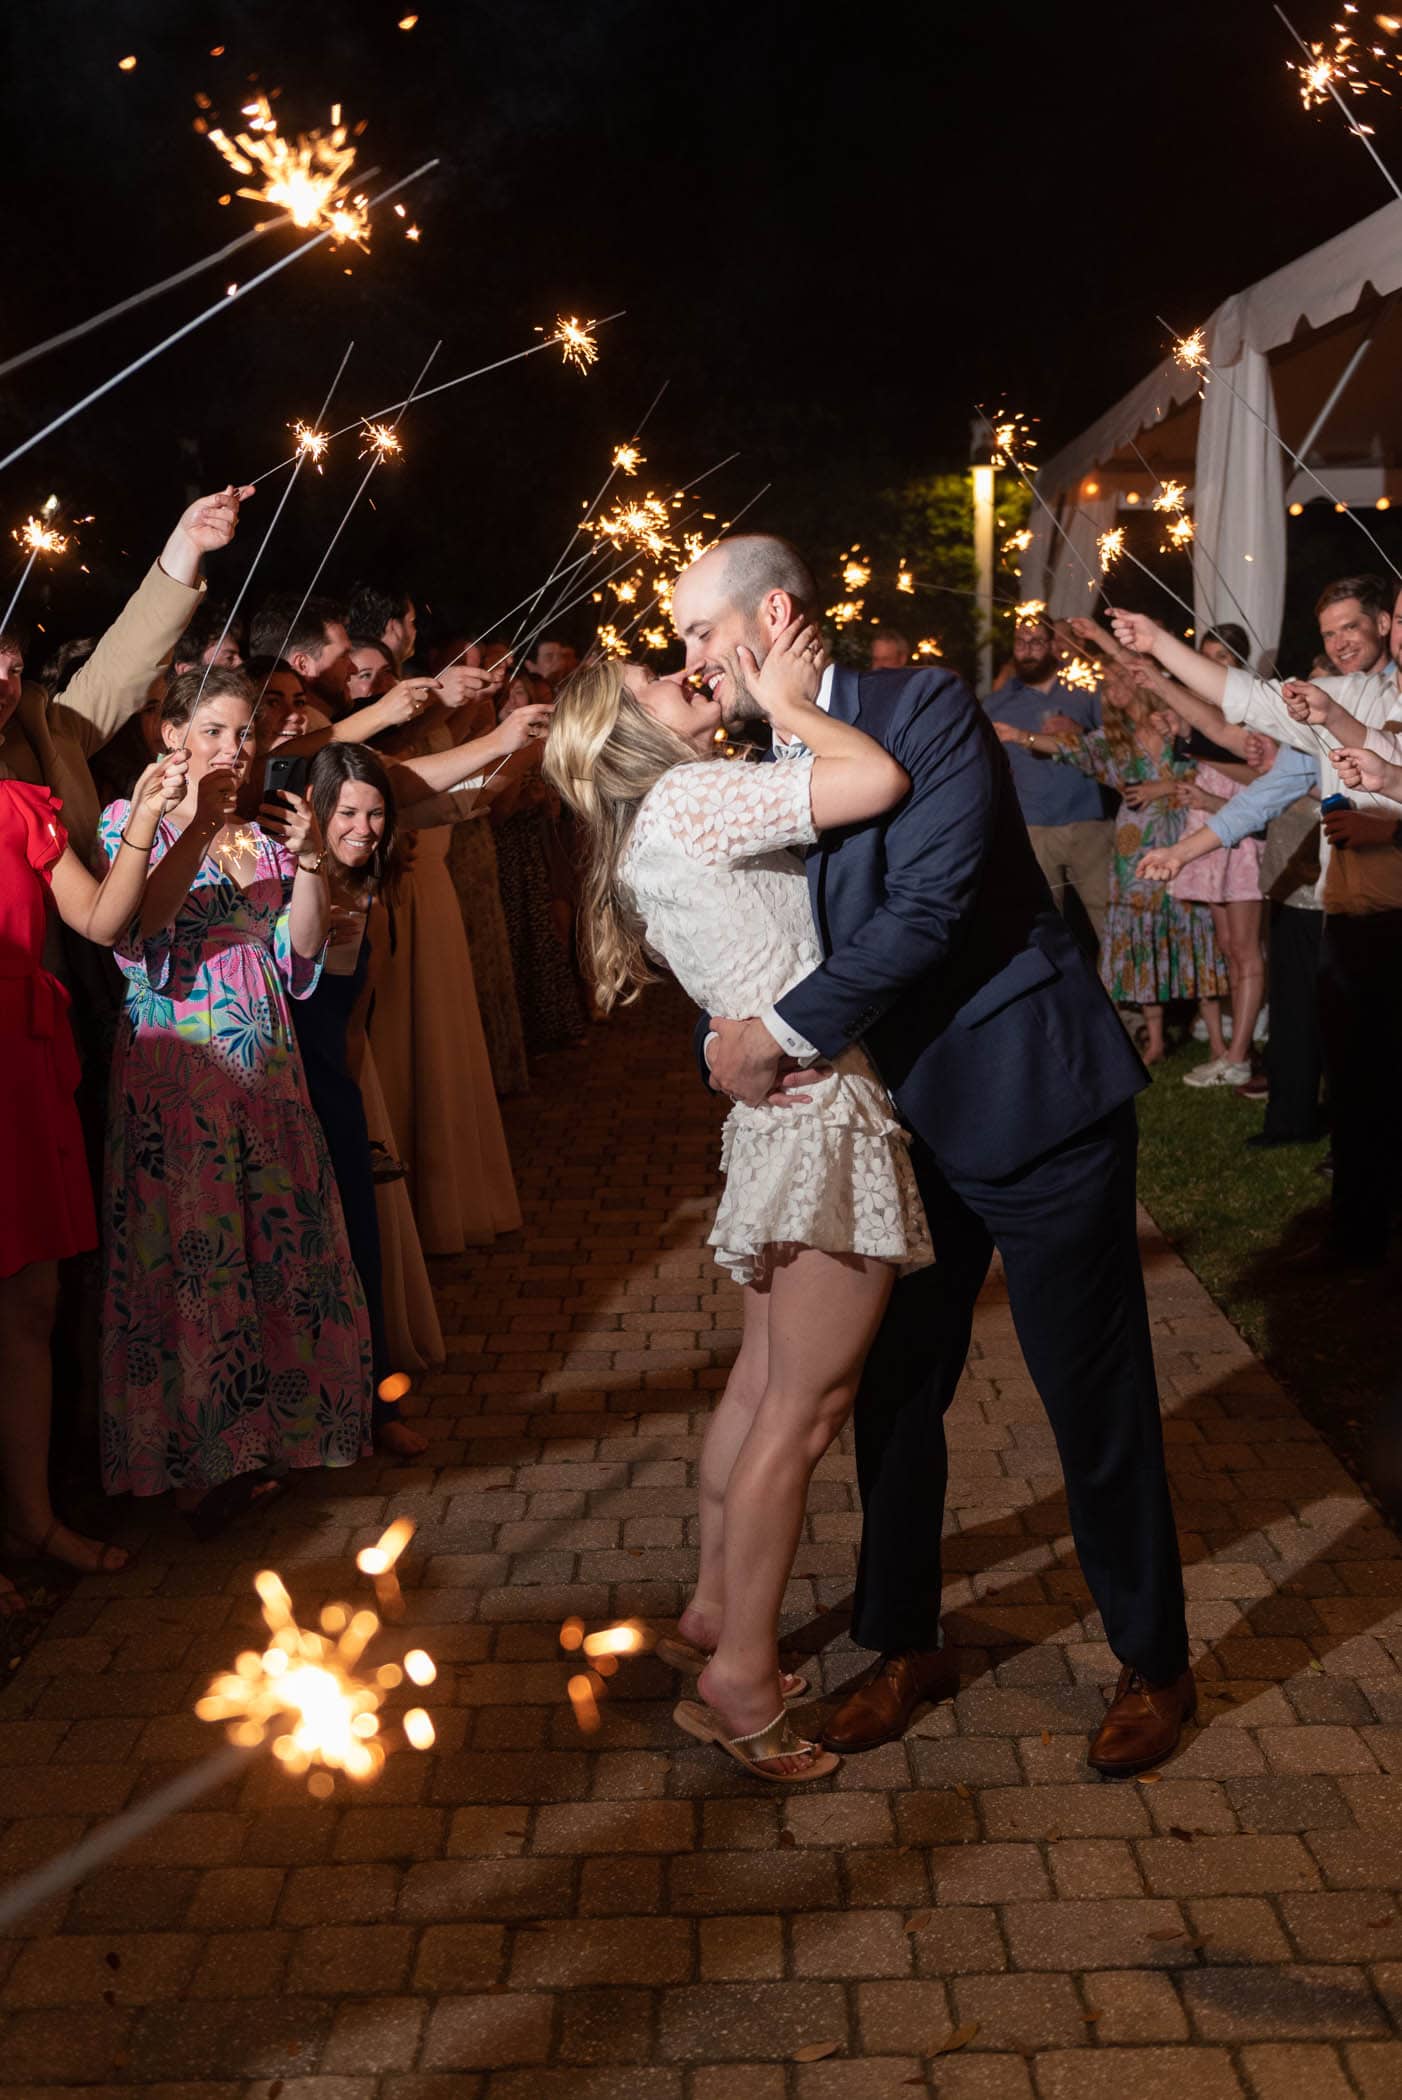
point(923, 1066)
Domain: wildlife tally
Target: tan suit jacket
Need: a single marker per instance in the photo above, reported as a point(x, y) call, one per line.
point(49, 742)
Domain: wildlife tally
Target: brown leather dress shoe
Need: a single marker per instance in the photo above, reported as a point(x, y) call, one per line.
point(1143, 1724)
point(880, 1710)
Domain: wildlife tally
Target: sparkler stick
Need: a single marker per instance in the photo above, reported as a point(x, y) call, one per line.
point(383, 441)
point(69, 1868)
point(616, 464)
point(1207, 555)
point(1322, 75)
point(304, 454)
point(177, 335)
point(442, 387)
point(1200, 362)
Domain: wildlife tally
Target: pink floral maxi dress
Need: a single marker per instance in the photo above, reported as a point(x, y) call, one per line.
point(234, 1332)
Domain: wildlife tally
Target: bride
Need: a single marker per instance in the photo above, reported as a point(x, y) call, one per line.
point(693, 861)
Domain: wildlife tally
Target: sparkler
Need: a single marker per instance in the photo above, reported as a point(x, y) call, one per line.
point(311, 444)
point(1172, 495)
point(394, 407)
point(1080, 675)
point(382, 448)
point(1018, 542)
point(929, 648)
point(177, 335)
point(1326, 71)
point(36, 537)
point(576, 339)
point(309, 438)
point(1213, 372)
point(1109, 546)
point(845, 612)
point(1012, 437)
point(306, 1697)
point(856, 575)
point(1182, 532)
point(905, 581)
point(1190, 351)
point(305, 178)
point(1029, 612)
point(627, 459)
point(381, 443)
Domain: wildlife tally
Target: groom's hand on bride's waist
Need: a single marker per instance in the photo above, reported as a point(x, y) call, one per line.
point(747, 1063)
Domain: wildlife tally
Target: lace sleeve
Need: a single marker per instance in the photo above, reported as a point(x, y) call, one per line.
point(721, 815)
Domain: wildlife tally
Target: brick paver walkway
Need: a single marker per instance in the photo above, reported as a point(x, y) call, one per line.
point(525, 1914)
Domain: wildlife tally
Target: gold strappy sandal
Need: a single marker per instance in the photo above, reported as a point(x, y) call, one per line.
point(691, 1661)
point(777, 1739)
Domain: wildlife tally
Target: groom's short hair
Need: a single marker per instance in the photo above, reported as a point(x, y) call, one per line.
point(756, 562)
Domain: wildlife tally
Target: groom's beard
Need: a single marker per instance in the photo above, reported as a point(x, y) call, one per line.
point(739, 705)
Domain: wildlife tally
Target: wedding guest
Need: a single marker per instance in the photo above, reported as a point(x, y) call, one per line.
point(354, 807)
point(283, 700)
point(50, 742)
point(313, 641)
point(1228, 880)
point(537, 890)
point(46, 1204)
point(890, 650)
point(371, 671)
point(473, 865)
point(389, 616)
point(426, 1031)
point(205, 641)
point(235, 1338)
point(554, 660)
point(1360, 889)
point(1065, 814)
point(1156, 949)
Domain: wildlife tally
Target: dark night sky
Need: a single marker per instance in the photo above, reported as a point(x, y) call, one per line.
point(832, 232)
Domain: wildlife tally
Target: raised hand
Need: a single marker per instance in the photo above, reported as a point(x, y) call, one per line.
point(217, 797)
point(460, 683)
point(409, 699)
point(292, 823)
point(161, 787)
point(1134, 631)
point(1161, 865)
point(1305, 702)
point(1260, 751)
point(210, 522)
point(525, 725)
point(1365, 769)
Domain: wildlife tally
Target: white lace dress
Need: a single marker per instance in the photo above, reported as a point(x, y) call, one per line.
point(711, 872)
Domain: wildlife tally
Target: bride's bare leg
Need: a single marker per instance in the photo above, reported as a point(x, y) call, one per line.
point(725, 1433)
point(824, 1311)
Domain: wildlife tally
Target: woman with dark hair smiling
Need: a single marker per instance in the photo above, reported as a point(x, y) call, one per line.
point(351, 796)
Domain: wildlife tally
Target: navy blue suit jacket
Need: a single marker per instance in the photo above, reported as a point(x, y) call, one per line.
point(945, 954)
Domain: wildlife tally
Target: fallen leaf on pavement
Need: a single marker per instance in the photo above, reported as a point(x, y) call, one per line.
point(965, 1793)
point(957, 2038)
point(1149, 1778)
point(1093, 2015)
point(1046, 1735)
point(787, 1840)
point(814, 2052)
point(917, 1921)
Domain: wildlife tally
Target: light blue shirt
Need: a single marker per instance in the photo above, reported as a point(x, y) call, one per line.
point(1294, 773)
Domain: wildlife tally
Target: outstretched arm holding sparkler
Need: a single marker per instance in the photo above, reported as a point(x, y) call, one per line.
point(419, 780)
point(1362, 768)
point(102, 911)
point(1307, 702)
point(114, 682)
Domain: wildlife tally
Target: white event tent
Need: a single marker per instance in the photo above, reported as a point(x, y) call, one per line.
point(1314, 350)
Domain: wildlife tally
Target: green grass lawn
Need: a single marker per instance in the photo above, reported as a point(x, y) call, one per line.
point(1233, 1215)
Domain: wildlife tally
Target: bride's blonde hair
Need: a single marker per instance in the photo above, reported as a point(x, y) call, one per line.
point(602, 755)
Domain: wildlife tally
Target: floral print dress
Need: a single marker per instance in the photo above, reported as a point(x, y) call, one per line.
point(1155, 947)
point(234, 1332)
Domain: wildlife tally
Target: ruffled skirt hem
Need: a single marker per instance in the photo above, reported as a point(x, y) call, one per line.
point(834, 1175)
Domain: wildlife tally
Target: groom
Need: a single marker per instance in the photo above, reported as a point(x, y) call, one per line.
point(946, 958)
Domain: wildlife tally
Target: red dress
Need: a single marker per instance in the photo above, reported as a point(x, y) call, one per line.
point(46, 1204)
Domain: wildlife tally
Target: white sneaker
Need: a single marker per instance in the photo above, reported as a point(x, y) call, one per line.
point(1218, 1072)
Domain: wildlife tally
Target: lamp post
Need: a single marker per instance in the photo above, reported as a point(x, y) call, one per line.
point(981, 473)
